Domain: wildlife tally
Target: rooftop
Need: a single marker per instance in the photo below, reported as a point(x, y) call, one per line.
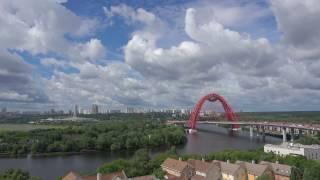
point(293, 146)
point(112, 176)
point(254, 169)
point(281, 169)
point(72, 176)
point(147, 177)
point(120, 175)
point(228, 168)
point(174, 164)
point(199, 165)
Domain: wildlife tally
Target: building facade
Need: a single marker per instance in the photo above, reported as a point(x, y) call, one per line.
point(309, 151)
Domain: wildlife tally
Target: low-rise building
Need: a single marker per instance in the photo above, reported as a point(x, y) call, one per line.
point(120, 175)
point(147, 177)
point(214, 172)
point(256, 170)
point(309, 151)
point(231, 171)
point(201, 167)
point(281, 171)
point(177, 168)
point(205, 170)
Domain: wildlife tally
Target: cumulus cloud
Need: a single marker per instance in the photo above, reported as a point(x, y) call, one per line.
point(39, 28)
point(298, 21)
point(163, 67)
point(131, 15)
point(212, 49)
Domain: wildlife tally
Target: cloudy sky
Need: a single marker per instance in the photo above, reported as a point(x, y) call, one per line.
point(261, 55)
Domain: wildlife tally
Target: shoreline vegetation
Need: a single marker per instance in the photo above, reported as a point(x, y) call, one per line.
point(142, 164)
point(106, 136)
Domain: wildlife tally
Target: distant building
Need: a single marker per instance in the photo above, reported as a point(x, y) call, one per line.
point(52, 111)
point(115, 111)
point(4, 110)
point(281, 171)
point(95, 109)
point(309, 151)
point(76, 111)
point(130, 110)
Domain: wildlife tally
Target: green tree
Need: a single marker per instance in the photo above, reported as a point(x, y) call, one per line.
point(312, 172)
point(114, 166)
point(16, 174)
point(159, 173)
point(296, 174)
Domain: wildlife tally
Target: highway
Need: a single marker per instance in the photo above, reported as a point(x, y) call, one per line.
point(302, 126)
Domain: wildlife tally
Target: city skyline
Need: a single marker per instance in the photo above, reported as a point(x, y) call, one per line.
point(260, 55)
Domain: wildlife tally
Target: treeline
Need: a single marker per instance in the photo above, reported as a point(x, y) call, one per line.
point(140, 164)
point(16, 174)
point(293, 116)
point(309, 140)
point(102, 136)
point(303, 169)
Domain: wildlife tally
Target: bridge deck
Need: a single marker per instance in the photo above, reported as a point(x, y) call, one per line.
point(314, 127)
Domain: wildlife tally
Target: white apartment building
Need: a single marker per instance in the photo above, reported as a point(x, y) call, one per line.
point(309, 151)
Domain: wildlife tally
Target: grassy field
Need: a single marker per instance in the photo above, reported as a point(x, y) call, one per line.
point(25, 127)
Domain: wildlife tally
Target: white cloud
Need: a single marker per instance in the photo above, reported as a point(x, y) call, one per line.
point(298, 21)
point(131, 15)
point(163, 66)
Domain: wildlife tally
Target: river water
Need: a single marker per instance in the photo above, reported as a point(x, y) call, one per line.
point(208, 139)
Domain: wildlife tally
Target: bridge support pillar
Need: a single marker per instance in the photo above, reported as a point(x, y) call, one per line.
point(307, 132)
point(251, 131)
point(292, 134)
point(263, 133)
point(284, 135)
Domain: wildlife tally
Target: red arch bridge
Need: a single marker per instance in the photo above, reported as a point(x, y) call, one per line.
point(261, 127)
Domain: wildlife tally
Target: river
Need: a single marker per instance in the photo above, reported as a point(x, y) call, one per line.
point(208, 139)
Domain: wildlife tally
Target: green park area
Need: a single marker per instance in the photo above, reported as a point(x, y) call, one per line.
point(26, 127)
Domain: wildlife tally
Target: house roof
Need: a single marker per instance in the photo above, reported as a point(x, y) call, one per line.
point(254, 169)
point(280, 169)
point(200, 166)
point(228, 168)
point(172, 177)
point(111, 176)
point(147, 177)
point(174, 164)
point(72, 176)
point(197, 177)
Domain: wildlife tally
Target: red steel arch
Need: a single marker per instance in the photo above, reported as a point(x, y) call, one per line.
point(211, 97)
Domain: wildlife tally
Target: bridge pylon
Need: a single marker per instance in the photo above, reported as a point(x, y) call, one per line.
point(192, 123)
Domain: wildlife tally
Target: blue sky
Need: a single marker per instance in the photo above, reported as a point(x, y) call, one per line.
point(262, 55)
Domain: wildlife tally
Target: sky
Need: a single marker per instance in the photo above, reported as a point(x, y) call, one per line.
point(261, 55)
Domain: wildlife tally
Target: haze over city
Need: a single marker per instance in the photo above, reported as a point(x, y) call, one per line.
point(261, 55)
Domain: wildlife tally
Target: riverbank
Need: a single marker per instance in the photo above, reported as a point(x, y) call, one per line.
point(301, 168)
point(214, 139)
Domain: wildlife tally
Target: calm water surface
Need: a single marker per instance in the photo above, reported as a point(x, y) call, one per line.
point(208, 139)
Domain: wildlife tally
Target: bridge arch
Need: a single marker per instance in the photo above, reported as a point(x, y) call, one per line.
point(192, 123)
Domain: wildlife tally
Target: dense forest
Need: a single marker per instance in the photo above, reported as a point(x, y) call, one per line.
point(142, 163)
point(16, 174)
point(290, 116)
point(25, 118)
point(102, 136)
